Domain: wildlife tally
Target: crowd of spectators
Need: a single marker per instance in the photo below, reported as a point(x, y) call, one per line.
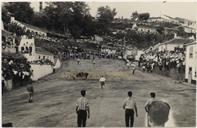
point(16, 70)
point(42, 62)
point(164, 62)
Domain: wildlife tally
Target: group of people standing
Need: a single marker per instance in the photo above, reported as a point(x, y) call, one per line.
point(157, 111)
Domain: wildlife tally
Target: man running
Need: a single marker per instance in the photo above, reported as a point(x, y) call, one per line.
point(82, 109)
point(130, 108)
point(102, 81)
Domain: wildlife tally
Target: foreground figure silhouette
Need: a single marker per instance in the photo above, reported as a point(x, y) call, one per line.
point(158, 114)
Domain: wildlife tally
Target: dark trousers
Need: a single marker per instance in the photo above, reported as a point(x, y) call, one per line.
point(81, 118)
point(102, 85)
point(133, 71)
point(129, 117)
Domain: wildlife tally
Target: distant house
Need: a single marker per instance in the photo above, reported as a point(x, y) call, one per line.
point(170, 19)
point(191, 63)
point(156, 19)
point(8, 42)
point(163, 18)
point(170, 45)
point(146, 29)
point(33, 53)
point(185, 22)
point(29, 28)
point(189, 29)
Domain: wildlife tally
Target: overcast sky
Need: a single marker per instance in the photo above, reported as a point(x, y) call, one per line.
point(175, 9)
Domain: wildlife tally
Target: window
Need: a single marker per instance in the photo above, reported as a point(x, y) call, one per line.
point(43, 57)
point(38, 57)
point(191, 52)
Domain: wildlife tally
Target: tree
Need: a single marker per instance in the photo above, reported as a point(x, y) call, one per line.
point(140, 16)
point(105, 16)
point(5, 15)
point(69, 16)
point(20, 10)
point(143, 16)
point(14, 28)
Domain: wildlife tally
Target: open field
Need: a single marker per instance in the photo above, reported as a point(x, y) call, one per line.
point(55, 97)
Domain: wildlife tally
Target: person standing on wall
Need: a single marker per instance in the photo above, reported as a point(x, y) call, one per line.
point(82, 109)
point(130, 108)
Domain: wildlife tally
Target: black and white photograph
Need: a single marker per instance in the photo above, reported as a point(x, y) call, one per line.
point(98, 63)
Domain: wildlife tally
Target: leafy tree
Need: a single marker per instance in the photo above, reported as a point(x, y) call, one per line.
point(69, 16)
point(20, 10)
point(143, 16)
point(5, 15)
point(105, 15)
point(14, 28)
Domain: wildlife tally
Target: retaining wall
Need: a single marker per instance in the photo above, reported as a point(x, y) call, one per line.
point(40, 71)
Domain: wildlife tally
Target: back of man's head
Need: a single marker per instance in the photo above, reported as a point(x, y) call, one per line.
point(152, 94)
point(129, 93)
point(158, 113)
point(83, 92)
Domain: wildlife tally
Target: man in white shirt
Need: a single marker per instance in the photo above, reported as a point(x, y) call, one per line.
point(78, 61)
point(130, 108)
point(82, 109)
point(102, 81)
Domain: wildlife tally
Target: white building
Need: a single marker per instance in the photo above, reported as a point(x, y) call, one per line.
point(170, 45)
point(191, 63)
point(185, 22)
point(33, 53)
point(156, 19)
point(189, 29)
point(29, 28)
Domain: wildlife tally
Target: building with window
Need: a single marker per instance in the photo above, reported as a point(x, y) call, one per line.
point(33, 53)
point(191, 63)
point(170, 45)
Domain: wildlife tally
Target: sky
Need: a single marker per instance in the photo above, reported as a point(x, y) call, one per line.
point(186, 10)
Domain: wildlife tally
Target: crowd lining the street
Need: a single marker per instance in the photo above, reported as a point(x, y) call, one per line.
point(164, 62)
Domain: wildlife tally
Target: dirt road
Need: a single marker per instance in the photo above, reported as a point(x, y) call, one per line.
point(55, 97)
